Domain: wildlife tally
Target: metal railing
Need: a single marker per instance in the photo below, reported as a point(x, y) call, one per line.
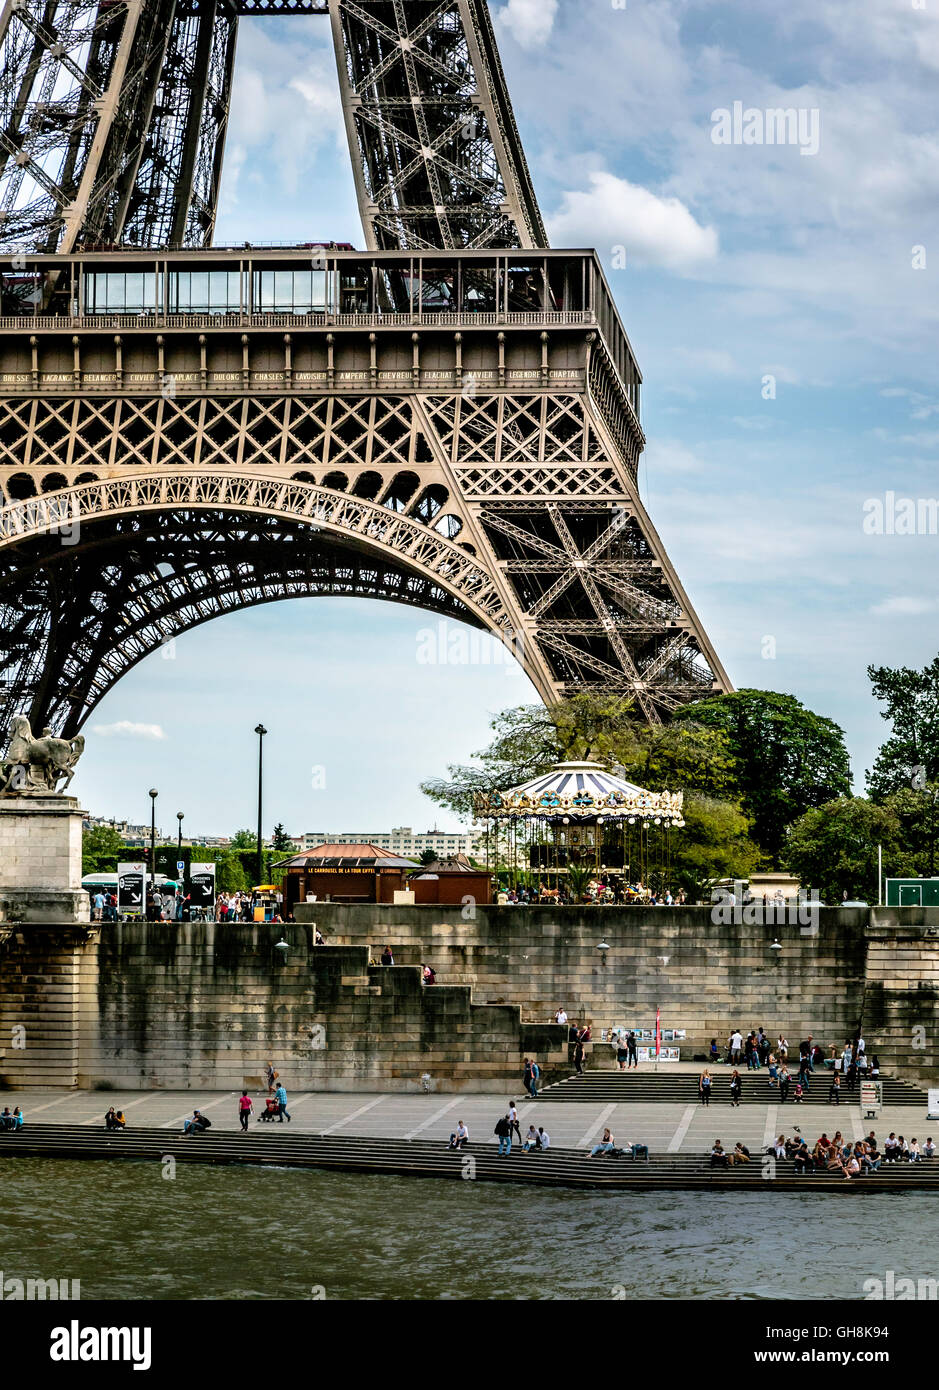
point(428, 318)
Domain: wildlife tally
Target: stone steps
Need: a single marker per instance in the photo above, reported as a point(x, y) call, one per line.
point(677, 1088)
point(421, 1158)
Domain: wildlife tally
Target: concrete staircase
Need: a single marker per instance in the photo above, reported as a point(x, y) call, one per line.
point(420, 1158)
point(681, 1088)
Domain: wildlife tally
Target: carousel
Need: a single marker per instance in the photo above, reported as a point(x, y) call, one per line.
point(579, 831)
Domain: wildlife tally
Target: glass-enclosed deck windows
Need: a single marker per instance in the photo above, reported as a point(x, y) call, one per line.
point(290, 291)
point(205, 292)
point(123, 292)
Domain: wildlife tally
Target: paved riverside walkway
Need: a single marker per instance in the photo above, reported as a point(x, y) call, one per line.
point(666, 1128)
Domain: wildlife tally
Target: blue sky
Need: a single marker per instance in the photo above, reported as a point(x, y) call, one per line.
point(741, 262)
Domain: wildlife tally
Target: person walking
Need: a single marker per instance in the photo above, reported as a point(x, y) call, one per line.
point(704, 1087)
point(736, 1086)
point(632, 1056)
point(503, 1133)
point(280, 1095)
point(804, 1070)
point(834, 1090)
point(513, 1121)
point(784, 1082)
point(271, 1078)
point(245, 1107)
point(579, 1054)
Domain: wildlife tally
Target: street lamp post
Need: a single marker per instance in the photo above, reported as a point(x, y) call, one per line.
point(153, 796)
point(179, 837)
point(260, 731)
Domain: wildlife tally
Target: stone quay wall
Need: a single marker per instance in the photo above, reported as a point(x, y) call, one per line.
point(200, 1005)
point(875, 967)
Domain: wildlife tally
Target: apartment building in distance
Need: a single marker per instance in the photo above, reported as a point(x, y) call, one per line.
point(402, 840)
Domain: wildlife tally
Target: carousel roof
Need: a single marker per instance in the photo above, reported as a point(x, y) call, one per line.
point(582, 790)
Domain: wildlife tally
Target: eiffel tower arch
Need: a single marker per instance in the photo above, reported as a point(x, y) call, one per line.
point(449, 418)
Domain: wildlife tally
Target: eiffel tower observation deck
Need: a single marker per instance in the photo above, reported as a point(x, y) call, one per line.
point(449, 418)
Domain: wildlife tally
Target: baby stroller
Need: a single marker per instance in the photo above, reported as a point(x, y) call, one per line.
point(271, 1110)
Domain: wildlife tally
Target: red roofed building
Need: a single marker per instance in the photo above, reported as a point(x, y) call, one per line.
point(344, 874)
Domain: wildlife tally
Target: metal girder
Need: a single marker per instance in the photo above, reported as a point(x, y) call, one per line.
point(434, 145)
point(77, 86)
point(175, 192)
point(75, 621)
point(113, 116)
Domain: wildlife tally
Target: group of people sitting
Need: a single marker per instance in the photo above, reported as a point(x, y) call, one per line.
point(836, 1155)
point(726, 1158)
point(11, 1119)
point(114, 1119)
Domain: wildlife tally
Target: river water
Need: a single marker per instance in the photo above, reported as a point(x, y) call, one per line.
point(126, 1231)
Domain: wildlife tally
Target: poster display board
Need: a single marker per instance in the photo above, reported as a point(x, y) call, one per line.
point(202, 887)
point(131, 890)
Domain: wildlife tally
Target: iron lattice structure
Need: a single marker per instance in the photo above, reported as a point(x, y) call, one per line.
point(450, 419)
point(113, 118)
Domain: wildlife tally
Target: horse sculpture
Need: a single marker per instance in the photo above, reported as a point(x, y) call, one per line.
point(37, 764)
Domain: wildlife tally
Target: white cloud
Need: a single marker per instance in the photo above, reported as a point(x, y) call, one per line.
point(716, 360)
point(285, 111)
point(903, 606)
point(124, 728)
point(671, 456)
point(614, 212)
point(529, 21)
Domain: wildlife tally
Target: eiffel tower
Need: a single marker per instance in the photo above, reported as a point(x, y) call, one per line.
point(448, 419)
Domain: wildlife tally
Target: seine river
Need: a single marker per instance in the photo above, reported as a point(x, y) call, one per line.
point(249, 1233)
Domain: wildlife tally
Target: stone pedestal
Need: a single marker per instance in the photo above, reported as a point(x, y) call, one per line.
point(41, 859)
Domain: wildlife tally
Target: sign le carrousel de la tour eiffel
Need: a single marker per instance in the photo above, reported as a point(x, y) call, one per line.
point(449, 418)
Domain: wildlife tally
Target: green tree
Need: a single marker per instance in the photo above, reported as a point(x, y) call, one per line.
point(714, 843)
point(244, 839)
point(788, 759)
point(102, 849)
point(281, 842)
point(917, 812)
point(910, 756)
point(428, 856)
point(230, 876)
point(681, 757)
point(834, 848)
point(530, 739)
